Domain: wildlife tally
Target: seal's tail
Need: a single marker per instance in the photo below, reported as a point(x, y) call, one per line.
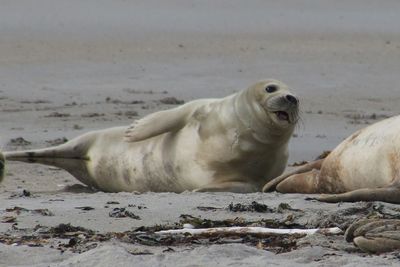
point(66, 156)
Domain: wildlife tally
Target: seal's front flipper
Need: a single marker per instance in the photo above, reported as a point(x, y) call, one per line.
point(387, 194)
point(161, 122)
point(271, 185)
point(2, 167)
point(234, 187)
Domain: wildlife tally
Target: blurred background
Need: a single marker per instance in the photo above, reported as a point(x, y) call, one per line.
point(342, 58)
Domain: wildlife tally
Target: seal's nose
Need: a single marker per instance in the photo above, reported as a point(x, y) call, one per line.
point(292, 99)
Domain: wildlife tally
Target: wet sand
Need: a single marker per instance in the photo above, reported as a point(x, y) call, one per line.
point(70, 67)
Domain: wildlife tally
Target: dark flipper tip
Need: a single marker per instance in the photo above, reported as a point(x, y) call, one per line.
point(2, 166)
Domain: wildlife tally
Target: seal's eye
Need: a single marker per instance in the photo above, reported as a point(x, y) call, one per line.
point(271, 88)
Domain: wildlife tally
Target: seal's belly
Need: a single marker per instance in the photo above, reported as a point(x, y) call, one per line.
point(150, 165)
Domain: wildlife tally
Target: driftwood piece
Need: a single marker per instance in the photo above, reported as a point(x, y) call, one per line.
point(259, 231)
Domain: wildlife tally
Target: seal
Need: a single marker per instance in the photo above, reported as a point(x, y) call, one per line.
point(364, 167)
point(236, 144)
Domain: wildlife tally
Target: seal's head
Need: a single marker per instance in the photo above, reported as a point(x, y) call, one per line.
point(281, 106)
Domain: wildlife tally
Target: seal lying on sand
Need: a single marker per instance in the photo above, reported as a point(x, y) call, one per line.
point(364, 167)
point(236, 143)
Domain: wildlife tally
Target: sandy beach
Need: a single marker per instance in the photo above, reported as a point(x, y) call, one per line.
point(69, 67)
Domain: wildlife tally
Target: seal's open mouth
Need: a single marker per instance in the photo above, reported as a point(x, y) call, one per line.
point(282, 115)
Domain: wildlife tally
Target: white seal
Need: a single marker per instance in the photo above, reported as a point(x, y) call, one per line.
point(364, 167)
point(236, 144)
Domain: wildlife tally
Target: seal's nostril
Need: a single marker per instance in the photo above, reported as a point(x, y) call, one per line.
point(292, 99)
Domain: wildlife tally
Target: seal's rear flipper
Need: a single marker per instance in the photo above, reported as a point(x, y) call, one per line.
point(306, 182)
point(48, 156)
point(74, 149)
point(70, 156)
point(387, 194)
point(271, 185)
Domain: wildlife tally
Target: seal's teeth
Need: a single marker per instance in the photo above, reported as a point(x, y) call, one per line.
point(282, 115)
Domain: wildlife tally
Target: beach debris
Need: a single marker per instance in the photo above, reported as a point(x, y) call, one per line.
point(168, 250)
point(259, 207)
point(258, 231)
point(137, 251)
point(375, 235)
point(146, 92)
point(79, 188)
point(26, 193)
point(67, 230)
point(58, 115)
point(9, 219)
point(71, 104)
point(206, 223)
point(372, 116)
point(43, 212)
point(19, 141)
point(359, 118)
point(2, 169)
point(112, 202)
point(79, 239)
point(23, 193)
point(343, 218)
point(92, 115)
point(123, 213)
point(285, 206)
point(171, 101)
point(18, 210)
point(39, 101)
point(139, 207)
point(188, 226)
point(253, 207)
point(57, 141)
point(86, 208)
point(203, 208)
point(129, 113)
point(118, 101)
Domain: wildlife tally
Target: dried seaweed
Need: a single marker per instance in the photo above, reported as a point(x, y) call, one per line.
point(253, 207)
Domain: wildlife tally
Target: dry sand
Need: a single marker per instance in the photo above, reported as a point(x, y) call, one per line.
point(68, 67)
